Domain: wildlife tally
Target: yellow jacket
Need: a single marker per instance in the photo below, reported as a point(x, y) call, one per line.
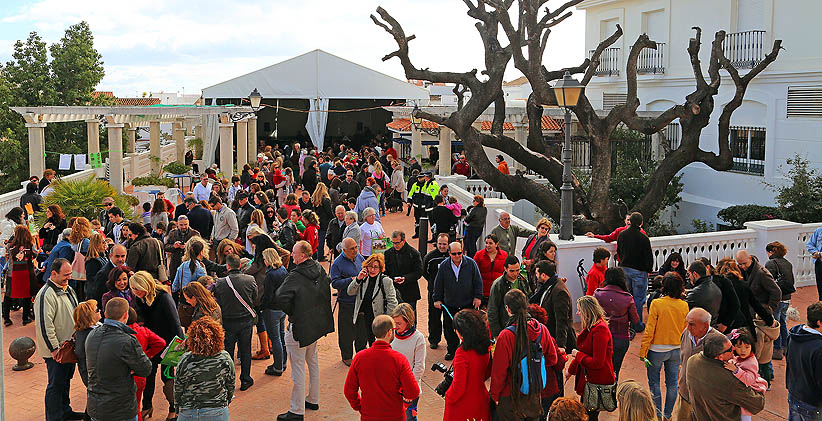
point(666, 321)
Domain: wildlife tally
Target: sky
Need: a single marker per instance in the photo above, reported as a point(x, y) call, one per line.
point(184, 46)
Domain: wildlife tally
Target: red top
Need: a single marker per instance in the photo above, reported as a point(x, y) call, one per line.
point(594, 357)
point(289, 208)
point(311, 235)
point(393, 152)
point(467, 398)
point(490, 271)
point(503, 168)
point(594, 278)
point(462, 168)
point(169, 208)
point(504, 354)
point(385, 378)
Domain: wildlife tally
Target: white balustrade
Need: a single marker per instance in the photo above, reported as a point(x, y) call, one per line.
point(713, 245)
point(803, 270)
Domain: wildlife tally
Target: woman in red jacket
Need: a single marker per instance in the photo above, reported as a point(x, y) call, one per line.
point(511, 344)
point(467, 398)
point(491, 263)
point(312, 229)
point(152, 345)
point(593, 361)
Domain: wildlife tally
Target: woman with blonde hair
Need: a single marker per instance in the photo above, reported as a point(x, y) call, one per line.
point(206, 359)
point(634, 402)
point(257, 221)
point(197, 296)
point(95, 260)
point(374, 295)
point(274, 317)
point(80, 232)
point(593, 360)
point(321, 201)
point(156, 309)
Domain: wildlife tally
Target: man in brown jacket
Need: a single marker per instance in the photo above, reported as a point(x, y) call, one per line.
point(693, 337)
point(716, 394)
point(552, 294)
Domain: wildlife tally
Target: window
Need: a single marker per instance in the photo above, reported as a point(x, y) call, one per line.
point(607, 28)
point(748, 149)
point(804, 101)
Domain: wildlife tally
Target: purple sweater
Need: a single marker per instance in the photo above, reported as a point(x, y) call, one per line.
point(619, 309)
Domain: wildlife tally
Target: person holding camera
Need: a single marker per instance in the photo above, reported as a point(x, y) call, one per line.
point(374, 292)
point(467, 397)
point(383, 375)
point(458, 286)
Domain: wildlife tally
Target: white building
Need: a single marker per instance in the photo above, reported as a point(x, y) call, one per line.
point(782, 112)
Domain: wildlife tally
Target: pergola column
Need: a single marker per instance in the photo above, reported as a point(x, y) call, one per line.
point(154, 151)
point(416, 143)
point(37, 148)
point(252, 139)
point(132, 137)
point(115, 154)
point(445, 151)
point(226, 147)
point(93, 130)
point(179, 136)
point(242, 143)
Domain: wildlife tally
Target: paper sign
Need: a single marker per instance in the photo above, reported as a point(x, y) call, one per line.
point(96, 160)
point(29, 209)
point(65, 162)
point(79, 161)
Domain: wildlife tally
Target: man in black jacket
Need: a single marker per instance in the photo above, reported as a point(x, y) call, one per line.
point(430, 265)
point(243, 212)
point(235, 294)
point(176, 243)
point(636, 259)
point(334, 231)
point(182, 209)
point(114, 357)
point(404, 265)
point(305, 297)
point(443, 219)
point(199, 218)
point(705, 293)
point(458, 286)
point(350, 187)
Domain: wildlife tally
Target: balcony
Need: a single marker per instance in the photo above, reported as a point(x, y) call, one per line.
point(745, 49)
point(608, 62)
point(651, 61)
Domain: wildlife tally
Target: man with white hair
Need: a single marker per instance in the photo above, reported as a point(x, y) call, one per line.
point(507, 233)
point(334, 230)
point(691, 343)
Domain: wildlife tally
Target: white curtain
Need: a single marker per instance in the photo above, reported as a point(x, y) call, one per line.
point(210, 136)
point(317, 120)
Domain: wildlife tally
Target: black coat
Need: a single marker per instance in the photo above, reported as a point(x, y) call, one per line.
point(634, 250)
point(114, 357)
point(232, 308)
point(334, 234)
point(444, 219)
point(161, 316)
point(305, 296)
point(98, 287)
point(730, 302)
point(93, 267)
point(200, 219)
point(244, 218)
point(748, 302)
point(405, 262)
point(325, 211)
point(706, 295)
point(309, 179)
point(351, 189)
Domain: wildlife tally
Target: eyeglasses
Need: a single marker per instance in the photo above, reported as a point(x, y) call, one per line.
point(375, 267)
point(108, 204)
point(456, 253)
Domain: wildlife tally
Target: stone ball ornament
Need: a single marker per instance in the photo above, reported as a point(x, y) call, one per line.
point(21, 349)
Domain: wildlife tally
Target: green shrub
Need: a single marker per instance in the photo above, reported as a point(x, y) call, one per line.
point(176, 168)
point(82, 198)
point(151, 180)
point(799, 199)
point(738, 215)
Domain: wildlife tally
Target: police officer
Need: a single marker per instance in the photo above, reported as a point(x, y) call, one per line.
point(421, 196)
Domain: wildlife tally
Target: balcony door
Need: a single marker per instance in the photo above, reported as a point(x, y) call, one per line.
point(750, 15)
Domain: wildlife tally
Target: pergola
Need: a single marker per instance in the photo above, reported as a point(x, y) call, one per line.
point(116, 118)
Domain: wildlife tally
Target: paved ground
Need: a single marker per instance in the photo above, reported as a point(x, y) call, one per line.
point(270, 395)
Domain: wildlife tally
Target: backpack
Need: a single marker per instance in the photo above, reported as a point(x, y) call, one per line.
point(534, 376)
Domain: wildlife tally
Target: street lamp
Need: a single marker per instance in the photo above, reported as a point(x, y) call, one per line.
point(567, 92)
point(254, 98)
point(416, 121)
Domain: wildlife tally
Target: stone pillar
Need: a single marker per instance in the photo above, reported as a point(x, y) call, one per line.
point(416, 143)
point(445, 151)
point(115, 156)
point(521, 136)
point(37, 148)
point(252, 139)
point(93, 131)
point(452, 180)
point(226, 149)
point(154, 147)
point(179, 136)
point(242, 144)
point(132, 137)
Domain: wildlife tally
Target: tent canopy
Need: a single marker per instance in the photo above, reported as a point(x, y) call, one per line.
point(316, 74)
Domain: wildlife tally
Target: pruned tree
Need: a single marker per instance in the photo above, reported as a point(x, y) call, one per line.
point(594, 210)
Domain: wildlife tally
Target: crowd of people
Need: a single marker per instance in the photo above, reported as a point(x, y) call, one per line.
point(108, 296)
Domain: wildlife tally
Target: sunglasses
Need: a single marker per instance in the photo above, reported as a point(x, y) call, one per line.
point(458, 253)
point(108, 204)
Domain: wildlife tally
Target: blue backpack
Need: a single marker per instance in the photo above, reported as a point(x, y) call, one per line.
point(533, 370)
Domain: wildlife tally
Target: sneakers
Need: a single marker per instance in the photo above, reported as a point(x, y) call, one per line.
point(289, 416)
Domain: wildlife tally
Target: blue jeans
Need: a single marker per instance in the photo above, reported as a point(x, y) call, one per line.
point(801, 411)
point(637, 281)
point(670, 360)
point(319, 254)
point(238, 331)
point(275, 326)
point(203, 414)
point(57, 391)
point(782, 340)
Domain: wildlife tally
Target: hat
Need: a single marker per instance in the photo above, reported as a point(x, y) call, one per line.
point(426, 174)
point(241, 195)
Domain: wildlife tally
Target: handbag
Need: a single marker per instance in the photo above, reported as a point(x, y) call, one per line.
point(162, 274)
point(599, 397)
point(780, 281)
point(65, 353)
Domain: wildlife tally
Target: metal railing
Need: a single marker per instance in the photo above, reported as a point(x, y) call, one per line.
point(608, 62)
point(748, 149)
point(651, 61)
point(745, 49)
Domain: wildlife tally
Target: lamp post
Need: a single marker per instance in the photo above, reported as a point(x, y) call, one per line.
point(567, 92)
point(255, 99)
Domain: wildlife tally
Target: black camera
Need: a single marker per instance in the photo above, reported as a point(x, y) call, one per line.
point(448, 377)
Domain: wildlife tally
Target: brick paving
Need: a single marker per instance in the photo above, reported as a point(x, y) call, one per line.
point(270, 395)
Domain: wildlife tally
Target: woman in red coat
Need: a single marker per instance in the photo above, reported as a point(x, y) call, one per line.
point(593, 361)
point(467, 398)
point(312, 228)
point(152, 345)
point(491, 263)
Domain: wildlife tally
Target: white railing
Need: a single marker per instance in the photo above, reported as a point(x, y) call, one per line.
point(483, 189)
point(713, 245)
point(803, 271)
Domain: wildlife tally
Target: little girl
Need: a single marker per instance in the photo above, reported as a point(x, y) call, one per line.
point(455, 207)
point(409, 342)
point(744, 364)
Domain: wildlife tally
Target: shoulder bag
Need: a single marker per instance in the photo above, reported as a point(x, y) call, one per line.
point(162, 273)
point(599, 397)
point(65, 353)
point(780, 281)
point(240, 298)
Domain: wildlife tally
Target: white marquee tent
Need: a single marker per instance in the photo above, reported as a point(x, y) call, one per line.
point(318, 77)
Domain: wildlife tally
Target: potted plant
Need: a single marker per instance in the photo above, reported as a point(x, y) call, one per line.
point(153, 182)
point(176, 168)
point(83, 197)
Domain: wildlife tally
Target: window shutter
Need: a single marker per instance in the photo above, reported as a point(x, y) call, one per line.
point(804, 101)
point(610, 101)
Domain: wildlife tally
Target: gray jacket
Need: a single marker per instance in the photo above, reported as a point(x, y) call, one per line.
point(508, 237)
point(53, 317)
point(225, 224)
point(351, 231)
point(378, 299)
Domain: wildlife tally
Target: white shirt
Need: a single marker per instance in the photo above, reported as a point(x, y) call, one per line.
point(202, 192)
point(456, 268)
